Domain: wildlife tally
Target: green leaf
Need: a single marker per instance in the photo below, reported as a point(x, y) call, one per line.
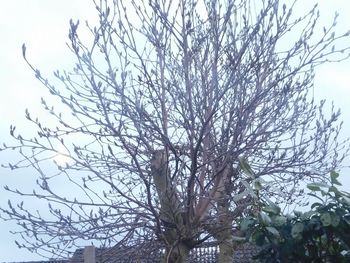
point(335, 220)
point(273, 231)
point(297, 229)
point(246, 224)
point(335, 181)
point(346, 200)
point(258, 237)
point(257, 185)
point(324, 193)
point(326, 219)
point(240, 196)
point(279, 220)
point(334, 190)
point(264, 219)
point(246, 167)
point(249, 189)
point(272, 209)
point(334, 175)
point(313, 187)
point(307, 215)
point(316, 186)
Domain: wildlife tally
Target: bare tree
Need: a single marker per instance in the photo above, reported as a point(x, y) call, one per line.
point(170, 100)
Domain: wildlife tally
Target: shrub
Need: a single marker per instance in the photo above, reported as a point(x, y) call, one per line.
point(319, 235)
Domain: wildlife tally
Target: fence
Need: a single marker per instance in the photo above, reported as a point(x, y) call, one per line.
point(206, 253)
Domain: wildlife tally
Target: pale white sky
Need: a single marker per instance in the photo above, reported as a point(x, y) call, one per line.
point(43, 26)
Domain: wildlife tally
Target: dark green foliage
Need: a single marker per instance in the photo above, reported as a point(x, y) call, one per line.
point(319, 235)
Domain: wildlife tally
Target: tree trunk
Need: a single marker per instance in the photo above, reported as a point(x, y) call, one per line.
point(224, 234)
point(226, 248)
point(176, 254)
point(170, 212)
point(225, 237)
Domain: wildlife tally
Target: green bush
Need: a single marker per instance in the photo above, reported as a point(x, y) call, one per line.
point(319, 235)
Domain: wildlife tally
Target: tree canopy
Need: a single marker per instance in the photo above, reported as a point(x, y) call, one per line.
point(169, 102)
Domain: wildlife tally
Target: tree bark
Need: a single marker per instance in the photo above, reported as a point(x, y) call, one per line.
point(226, 248)
point(225, 235)
point(170, 214)
point(223, 231)
point(178, 253)
point(170, 208)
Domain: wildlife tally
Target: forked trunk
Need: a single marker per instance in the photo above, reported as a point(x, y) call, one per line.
point(170, 213)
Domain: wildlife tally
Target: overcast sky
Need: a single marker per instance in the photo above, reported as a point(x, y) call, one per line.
point(43, 26)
